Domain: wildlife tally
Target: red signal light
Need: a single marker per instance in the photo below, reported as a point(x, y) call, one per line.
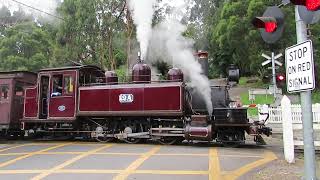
point(270, 27)
point(311, 5)
point(280, 77)
point(269, 24)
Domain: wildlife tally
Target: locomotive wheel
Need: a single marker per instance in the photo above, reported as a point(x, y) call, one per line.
point(132, 140)
point(136, 127)
point(231, 144)
point(168, 141)
point(104, 139)
point(102, 135)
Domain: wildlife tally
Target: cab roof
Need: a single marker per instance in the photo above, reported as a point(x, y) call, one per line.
point(78, 67)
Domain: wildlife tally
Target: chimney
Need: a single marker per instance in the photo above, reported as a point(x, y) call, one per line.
point(203, 60)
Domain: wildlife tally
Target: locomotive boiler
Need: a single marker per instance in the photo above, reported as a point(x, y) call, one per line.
point(88, 103)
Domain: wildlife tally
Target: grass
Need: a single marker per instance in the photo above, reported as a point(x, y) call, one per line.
point(243, 81)
point(252, 82)
point(259, 99)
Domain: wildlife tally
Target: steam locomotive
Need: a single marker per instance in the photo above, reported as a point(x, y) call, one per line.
point(86, 102)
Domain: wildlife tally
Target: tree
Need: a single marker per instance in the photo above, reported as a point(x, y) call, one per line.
point(87, 34)
point(24, 46)
point(234, 40)
point(7, 20)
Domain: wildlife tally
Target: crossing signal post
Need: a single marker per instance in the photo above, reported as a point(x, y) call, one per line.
point(306, 12)
point(271, 24)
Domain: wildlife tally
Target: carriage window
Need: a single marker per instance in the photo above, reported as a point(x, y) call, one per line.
point(18, 90)
point(57, 85)
point(68, 85)
point(4, 92)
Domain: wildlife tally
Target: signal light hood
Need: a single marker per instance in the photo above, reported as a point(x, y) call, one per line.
point(269, 24)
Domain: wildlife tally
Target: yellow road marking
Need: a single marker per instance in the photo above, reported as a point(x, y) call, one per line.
point(170, 172)
point(268, 157)
point(133, 166)
point(89, 171)
point(121, 154)
point(241, 156)
point(163, 154)
point(13, 147)
point(67, 163)
point(31, 154)
point(125, 154)
point(73, 142)
point(21, 171)
point(15, 154)
point(214, 164)
point(104, 171)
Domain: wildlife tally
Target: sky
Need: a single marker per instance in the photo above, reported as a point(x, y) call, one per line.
point(50, 5)
point(44, 5)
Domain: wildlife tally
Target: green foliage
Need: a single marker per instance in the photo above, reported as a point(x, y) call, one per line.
point(259, 99)
point(91, 33)
point(243, 81)
point(122, 74)
point(233, 40)
point(24, 46)
point(316, 96)
point(252, 82)
point(97, 32)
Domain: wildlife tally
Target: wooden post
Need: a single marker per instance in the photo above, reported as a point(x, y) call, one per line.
point(287, 129)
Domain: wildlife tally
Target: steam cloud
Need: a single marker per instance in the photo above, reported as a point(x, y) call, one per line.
point(168, 44)
point(142, 13)
point(48, 6)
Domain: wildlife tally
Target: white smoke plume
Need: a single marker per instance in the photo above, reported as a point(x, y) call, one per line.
point(142, 13)
point(48, 6)
point(168, 44)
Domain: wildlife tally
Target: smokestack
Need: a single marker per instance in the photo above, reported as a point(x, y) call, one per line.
point(139, 57)
point(203, 60)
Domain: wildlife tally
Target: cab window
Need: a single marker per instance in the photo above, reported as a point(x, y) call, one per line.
point(4, 92)
point(18, 89)
point(68, 85)
point(56, 85)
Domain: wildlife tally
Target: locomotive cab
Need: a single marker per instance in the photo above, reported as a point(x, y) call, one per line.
point(54, 98)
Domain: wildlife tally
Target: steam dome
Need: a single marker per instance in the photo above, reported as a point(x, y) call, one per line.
point(175, 74)
point(111, 77)
point(141, 73)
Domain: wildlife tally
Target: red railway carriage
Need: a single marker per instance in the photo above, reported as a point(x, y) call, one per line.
point(12, 86)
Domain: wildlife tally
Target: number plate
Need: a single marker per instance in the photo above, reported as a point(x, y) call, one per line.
point(125, 98)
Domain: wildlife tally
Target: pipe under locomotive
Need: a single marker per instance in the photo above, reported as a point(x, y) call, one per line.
point(86, 102)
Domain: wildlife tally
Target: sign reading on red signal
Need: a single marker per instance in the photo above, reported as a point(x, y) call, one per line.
point(300, 67)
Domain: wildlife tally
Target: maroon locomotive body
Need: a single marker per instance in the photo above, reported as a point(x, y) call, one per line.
point(86, 102)
point(12, 86)
point(158, 99)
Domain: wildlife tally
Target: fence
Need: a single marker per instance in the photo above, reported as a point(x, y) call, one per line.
point(275, 121)
point(275, 116)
